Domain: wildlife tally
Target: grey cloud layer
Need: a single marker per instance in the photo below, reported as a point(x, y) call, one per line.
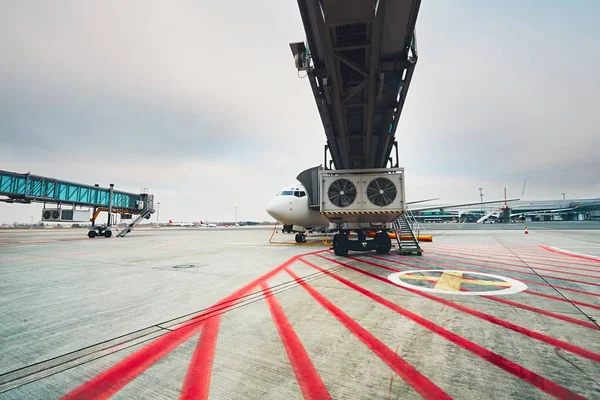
point(208, 93)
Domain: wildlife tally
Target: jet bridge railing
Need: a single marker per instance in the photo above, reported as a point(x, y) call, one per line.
point(26, 188)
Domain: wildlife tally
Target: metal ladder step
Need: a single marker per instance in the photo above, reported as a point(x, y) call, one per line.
point(144, 214)
point(402, 226)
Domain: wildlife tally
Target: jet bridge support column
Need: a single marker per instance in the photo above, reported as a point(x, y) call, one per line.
point(110, 204)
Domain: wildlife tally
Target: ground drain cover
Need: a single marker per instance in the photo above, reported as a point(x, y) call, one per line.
point(188, 266)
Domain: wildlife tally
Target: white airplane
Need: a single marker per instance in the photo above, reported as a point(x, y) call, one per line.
point(291, 208)
point(192, 224)
point(182, 224)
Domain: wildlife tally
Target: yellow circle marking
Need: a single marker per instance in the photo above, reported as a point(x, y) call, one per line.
point(450, 282)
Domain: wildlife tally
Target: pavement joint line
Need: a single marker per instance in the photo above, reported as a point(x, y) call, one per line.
point(116, 377)
point(502, 262)
point(582, 352)
point(498, 268)
point(513, 368)
point(403, 369)
point(590, 318)
point(471, 265)
point(520, 255)
point(528, 291)
point(548, 263)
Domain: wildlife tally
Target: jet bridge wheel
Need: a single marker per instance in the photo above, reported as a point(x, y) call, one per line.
point(340, 244)
point(383, 243)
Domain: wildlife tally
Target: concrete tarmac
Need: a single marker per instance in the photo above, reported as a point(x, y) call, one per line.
point(486, 312)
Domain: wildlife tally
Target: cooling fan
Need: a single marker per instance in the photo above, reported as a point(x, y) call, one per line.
point(381, 192)
point(341, 192)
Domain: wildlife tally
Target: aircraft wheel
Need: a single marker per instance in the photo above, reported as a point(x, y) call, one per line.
point(92, 234)
point(300, 238)
point(383, 243)
point(340, 244)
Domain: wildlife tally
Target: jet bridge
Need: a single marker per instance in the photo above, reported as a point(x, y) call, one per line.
point(359, 57)
point(66, 197)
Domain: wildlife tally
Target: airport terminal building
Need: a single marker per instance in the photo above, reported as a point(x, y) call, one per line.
point(543, 210)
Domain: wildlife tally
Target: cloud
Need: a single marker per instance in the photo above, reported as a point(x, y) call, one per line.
point(200, 101)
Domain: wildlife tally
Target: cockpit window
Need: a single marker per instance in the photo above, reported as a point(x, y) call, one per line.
point(287, 193)
point(298, 193)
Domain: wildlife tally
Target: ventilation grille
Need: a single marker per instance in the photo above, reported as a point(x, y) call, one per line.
point(381, 192)
point(342, 192)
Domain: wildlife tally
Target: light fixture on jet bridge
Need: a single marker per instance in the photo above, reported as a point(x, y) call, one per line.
point(300, 56)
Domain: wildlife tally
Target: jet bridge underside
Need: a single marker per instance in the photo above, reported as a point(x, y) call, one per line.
point(359, 56)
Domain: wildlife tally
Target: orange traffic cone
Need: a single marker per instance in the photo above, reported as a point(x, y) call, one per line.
point(526, 231)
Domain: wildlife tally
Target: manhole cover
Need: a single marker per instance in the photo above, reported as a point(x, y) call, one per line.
point(188, 266)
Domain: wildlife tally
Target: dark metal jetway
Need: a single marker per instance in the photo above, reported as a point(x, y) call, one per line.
point(359, 56)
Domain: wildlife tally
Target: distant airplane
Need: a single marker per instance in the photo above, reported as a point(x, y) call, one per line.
point(291, 208)
point(183, 224)
point(193, 224)
point(507, 214)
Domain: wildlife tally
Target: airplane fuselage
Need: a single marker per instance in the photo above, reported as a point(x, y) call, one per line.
point(290, 207)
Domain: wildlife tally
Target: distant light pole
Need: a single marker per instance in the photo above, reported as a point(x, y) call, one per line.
point(563, 196)
point(235, 215)
point(481, 198)
point(31, 225)
point(158, 213)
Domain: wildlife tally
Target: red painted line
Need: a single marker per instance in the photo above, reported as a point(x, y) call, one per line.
point(553, 263)
point(520, 266)
point(486, 317)
point(445, 256)
point(559, 257)
point(499, 251)
point(485, 267)
point(197, 380)
point(579, 303)
point(412, 376)
point(518, 254)
point(109, 382)
point(515, 369)
point(562, 253)
point(310, 382)
point(543, 312)
point(112, 380)
point(519, 305)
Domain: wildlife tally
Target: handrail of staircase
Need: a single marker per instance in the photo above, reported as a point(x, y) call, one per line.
point(414, 224)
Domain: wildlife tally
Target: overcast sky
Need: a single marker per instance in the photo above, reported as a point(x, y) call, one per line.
point(200, 101)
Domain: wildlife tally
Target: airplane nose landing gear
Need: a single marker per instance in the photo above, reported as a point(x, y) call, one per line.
point(300, 238)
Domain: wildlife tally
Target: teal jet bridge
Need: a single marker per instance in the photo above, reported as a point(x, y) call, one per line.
point(68, 200)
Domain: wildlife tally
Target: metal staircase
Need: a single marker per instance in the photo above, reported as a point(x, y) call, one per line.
point(145, 213)
point(405, 236)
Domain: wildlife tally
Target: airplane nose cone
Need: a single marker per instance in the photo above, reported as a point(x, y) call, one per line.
point(275, 209)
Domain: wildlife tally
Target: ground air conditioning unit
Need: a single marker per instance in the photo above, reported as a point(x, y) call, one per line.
point(51, 214)
point(362, 196)
point(65, 215)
